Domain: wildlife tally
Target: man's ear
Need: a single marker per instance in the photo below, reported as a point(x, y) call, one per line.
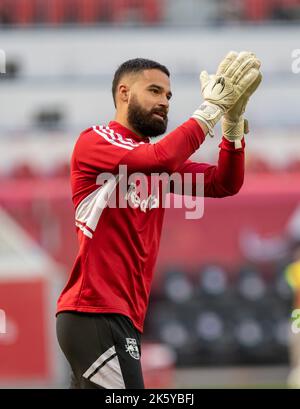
point(123, 91)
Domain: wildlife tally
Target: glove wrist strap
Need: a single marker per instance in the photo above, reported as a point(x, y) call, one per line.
point(234, 131)
point(210, 114)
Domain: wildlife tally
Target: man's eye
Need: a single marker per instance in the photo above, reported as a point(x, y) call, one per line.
point(155, 91)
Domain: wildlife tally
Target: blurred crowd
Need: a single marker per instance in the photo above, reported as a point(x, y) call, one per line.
point(83, 12)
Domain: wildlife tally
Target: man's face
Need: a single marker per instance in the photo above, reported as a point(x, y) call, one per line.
point(148, 103)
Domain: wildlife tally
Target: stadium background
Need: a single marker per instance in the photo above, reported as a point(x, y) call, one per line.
point(220, 308)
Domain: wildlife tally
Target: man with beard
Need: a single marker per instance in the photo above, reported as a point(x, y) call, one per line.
point(102, 308)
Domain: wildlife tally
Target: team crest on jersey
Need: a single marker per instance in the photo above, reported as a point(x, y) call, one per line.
point(132, 348)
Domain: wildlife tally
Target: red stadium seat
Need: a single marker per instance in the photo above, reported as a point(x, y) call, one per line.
point(55, 11)
point(149, 10)
point(88, 11)
point(257, 10)
point(24, 11)
point(6, 11)
point(152, 11)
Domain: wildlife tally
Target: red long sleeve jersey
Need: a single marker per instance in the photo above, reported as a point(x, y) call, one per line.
point(118, 247)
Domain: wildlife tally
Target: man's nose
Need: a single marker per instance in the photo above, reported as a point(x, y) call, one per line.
point(165, 102)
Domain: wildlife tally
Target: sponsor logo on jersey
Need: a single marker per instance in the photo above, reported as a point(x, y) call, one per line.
point(151, 202)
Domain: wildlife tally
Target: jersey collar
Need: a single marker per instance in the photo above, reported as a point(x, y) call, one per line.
point(127, 133)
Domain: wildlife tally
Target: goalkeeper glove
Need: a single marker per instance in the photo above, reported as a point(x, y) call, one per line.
point(221, 91)
point(234, 126)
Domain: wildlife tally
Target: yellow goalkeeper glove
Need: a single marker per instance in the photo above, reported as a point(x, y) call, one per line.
point(236, 73)
point(234, 126)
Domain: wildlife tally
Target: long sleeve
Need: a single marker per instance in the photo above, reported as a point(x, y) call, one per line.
point(224, 179)
point(168, 154)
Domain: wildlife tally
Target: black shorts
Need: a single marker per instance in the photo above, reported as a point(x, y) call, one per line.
point(103, 350)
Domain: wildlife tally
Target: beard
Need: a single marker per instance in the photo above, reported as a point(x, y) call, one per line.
point(144, 122)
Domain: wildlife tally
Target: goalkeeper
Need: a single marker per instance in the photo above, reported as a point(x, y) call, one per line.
point(101, 311)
